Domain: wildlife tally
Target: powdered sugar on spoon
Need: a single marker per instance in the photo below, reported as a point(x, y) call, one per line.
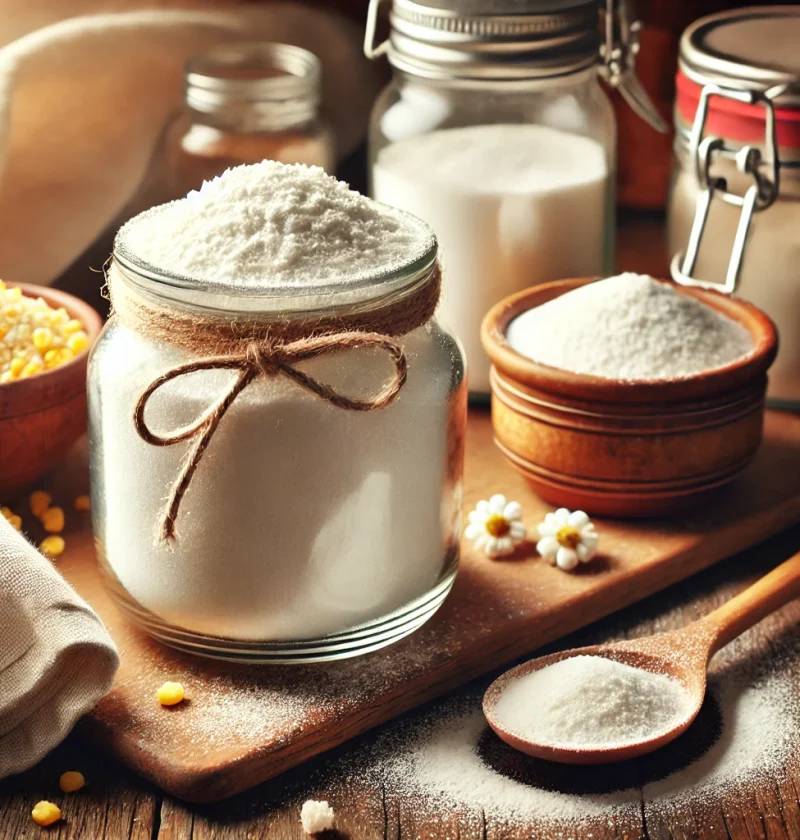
point(613, 702)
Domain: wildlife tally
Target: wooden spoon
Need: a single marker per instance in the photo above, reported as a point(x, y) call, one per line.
point(681, 654)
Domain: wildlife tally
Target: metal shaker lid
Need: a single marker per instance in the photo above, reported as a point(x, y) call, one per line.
point(490, 39)
point(754, 48)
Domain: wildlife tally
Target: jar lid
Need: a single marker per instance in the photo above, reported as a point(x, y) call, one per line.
point(494, 39)
point(751, 49)
point(265, 83)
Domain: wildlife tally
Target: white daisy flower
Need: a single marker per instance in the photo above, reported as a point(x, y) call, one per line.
point(495, 526)
point(567, 539)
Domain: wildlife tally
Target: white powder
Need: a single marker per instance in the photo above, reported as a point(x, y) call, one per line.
point(511, 205)
point(273, 223)
point(590, 702)
point(303, 519)
point(629, 327)
point(316, 816)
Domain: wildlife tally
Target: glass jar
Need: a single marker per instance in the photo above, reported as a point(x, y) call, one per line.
point(734, 208)
point(308, 531)
point(245, 102)
point(496, 131)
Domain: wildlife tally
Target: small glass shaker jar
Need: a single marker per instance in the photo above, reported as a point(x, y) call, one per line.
point(734, 208)
point(496, 131)
point(243, 103)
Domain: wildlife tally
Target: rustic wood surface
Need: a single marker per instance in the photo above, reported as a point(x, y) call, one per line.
point(117, 805)
point(277, 717)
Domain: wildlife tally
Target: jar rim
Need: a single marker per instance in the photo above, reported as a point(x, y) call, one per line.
point(361, 292)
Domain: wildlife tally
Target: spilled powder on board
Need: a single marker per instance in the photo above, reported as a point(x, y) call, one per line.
point(629, 327)
point(590, 702)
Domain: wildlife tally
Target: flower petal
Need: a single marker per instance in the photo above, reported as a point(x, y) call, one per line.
point(492, 545)
point(578, 519)
point(584, 552)
point(505, 545)
point(566, 559)
point(477, 517)
point(512, 511)
point(483, 508)
point(590, 541)
point(497, 503)
point(545, 530)
point(562, 516)
point(517, 530)
point(473, 531)
point(548, 548)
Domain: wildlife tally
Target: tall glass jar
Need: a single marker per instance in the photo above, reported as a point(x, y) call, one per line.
point(734, 209)
point(308, 531)
point(496, 131)
point(245, 102)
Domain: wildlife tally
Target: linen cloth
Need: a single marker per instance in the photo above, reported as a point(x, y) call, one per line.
point(83, 101)
point(56, 657)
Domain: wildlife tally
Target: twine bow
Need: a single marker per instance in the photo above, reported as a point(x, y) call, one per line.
point(262, 359)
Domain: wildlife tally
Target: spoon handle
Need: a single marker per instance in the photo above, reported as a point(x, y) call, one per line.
point(774, 590)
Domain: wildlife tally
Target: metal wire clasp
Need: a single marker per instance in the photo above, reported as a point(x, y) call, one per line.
point(749, 161)
point(370, 49)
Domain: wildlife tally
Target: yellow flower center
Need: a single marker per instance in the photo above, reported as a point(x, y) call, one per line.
point(569, 537)
point(497, 525)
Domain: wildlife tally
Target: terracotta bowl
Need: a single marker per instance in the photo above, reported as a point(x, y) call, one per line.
point(42, 416)
point(621, 448)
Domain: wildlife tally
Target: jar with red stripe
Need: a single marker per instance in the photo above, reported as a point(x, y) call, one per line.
point(734, 209)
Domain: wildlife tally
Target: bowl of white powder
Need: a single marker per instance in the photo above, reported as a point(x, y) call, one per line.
point(627, 396)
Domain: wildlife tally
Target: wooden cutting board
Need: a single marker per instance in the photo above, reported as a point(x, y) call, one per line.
point(245, 724)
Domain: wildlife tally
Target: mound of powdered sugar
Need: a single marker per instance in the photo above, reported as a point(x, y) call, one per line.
point(591, 701)
point(629, 327)
point(273, 224)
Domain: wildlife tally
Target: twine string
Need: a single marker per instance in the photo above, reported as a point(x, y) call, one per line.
point(267, 358)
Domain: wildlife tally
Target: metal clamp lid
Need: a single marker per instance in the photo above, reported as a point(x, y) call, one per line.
point(749, 161)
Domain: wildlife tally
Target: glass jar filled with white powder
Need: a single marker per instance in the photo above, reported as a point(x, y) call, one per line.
point(734, 211)
point(277, 421)
point(495, 130)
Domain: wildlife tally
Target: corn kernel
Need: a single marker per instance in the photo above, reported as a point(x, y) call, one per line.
point(71, 781)
point(82, 503)
point(2, 286)
point(78, 342)
point(171, 693)
point(14, 293)
point(11, 517)
point(16, 365)
point(42, 338)
point(72, 326)
point(39, 501)
point(45, 813)
point(52, 546)
point(7, 376)
point(53, 520)
point(31, 369)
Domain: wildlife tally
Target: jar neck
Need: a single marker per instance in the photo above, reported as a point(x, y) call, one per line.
point(585, 77)
point(253, 88)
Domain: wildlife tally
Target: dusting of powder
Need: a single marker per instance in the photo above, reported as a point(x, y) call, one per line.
point(629, 327)
point(590, 702)
point(271, 224)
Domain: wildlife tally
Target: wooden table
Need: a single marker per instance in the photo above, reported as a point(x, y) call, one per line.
point(119, 806)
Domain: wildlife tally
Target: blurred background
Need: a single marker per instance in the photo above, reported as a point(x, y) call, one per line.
point(91, 96)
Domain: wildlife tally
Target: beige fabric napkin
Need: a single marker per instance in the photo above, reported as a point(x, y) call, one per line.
point(56, 657)
point(84, 100)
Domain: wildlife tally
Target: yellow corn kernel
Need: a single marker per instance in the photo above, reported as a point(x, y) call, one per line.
point(7, 376)
point(3, 332)
point(45, 813)
point(72, 326)
point(31, 369)
point(39, 501)
point(78, 342)
point(52, 546)
point(2, 285)
point(42, 338)
point(57, 356)
point(53, 520)
point(71, 781)
point(11, 517)
point(171, 693)
point(82, 503)
point(16, 365)
point(14, 293)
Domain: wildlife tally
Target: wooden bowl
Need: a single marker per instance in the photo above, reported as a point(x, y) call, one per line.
point(43, 415)
point(627, 448)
